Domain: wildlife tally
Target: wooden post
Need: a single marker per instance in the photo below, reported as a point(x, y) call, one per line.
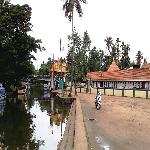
point(113, 88)
point(90, 85)
point(97, 90)
point(90, 90)
point(80, 89)
point(133, 92)
point(87, 88)
point(123, 92)
point(104, 91)
point(113, 91)
point(146, 94)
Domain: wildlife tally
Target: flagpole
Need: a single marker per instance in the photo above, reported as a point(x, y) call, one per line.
point(52, 81)
point(61, 73)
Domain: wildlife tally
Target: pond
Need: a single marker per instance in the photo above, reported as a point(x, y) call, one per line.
point(32, 122)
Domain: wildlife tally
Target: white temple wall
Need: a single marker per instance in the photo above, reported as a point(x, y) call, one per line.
point(128, 93)
point(109, 91)
point(118, 92)
point(141, 94)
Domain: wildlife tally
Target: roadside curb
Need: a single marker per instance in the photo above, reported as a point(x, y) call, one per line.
point(74, 137)
point(80, 139)
point(67, 142)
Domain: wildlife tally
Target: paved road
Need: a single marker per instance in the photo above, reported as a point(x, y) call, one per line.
point(122, 123)
point(109, 128)
point(96, 138)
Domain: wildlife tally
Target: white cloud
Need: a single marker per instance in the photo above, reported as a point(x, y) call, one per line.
point(126, 19)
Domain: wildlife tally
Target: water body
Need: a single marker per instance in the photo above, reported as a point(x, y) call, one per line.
point(32, 122)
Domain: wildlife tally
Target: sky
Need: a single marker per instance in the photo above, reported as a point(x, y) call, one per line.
point(127, 19)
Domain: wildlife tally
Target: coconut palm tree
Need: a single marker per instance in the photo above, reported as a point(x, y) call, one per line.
point(69, 7)
point(109, 43)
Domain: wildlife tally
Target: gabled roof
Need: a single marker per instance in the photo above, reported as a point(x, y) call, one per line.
point(113, 67)
point(115, 74)
point(145, 66)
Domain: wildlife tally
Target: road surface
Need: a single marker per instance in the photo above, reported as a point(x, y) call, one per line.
point(121, 124)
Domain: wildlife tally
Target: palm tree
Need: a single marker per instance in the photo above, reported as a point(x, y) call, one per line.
point(69, 7)
point(109, 43)
point(139, 57)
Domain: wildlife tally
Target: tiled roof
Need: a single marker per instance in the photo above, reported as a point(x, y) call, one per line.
point(146, 66)
point(113, 67)
point(113, 73)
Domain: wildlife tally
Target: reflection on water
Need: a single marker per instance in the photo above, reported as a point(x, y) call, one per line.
point(48, 127)
point(16, 128)
point(29, 124)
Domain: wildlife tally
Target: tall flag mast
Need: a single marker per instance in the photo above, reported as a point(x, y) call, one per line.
point(52, 80)
point(60, 44)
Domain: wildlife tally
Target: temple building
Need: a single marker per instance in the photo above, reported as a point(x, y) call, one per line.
point(127, 79)
point(59, 67)
point(58, 72)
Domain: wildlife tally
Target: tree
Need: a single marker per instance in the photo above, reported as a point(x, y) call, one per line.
point(125, 60)
point(45, 67)
point(68, 7)
point(119, 52)
point(113, 48)
point(81, 58)
point(117, 49)
point(109, 43)
point(16, 44)
point(74, 47)
point(145, 61)
point(94, 60)
point(139, 57)
point(86, 41)
point(81, 49)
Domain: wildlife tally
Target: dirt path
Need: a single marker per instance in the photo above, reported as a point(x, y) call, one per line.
point(121, 124)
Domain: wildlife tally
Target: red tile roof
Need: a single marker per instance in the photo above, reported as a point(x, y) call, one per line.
point(114, 73)
point(113, 67)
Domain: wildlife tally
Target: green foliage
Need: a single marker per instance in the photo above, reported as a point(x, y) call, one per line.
point(69, 6)
point(119, 52)
point(77, 55)
point(45, 67)
point(95, 60)
point(125, 59)
point(139, 57)
point(16, 44)
point(106, 62)
point(82, 59)
point(113, 48)
point(109, 43)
